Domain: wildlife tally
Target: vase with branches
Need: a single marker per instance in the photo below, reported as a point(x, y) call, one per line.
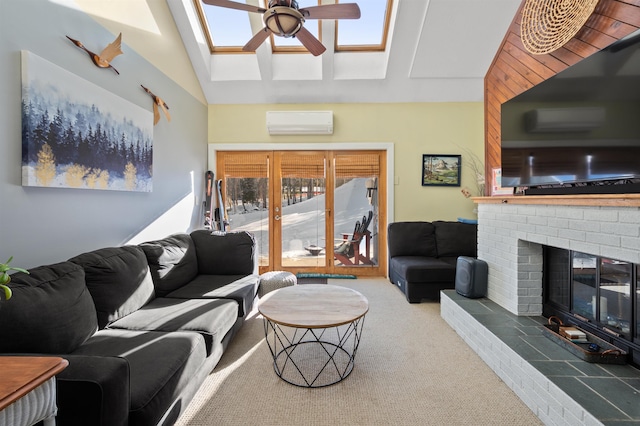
point(476, 165)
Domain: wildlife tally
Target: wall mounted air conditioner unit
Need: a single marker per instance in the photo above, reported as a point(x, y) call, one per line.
point(300, 122)
point(581, 119)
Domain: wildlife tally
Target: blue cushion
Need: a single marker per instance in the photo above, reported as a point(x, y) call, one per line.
point(471, 221)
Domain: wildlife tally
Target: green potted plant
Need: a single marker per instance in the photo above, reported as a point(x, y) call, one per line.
point(5, 277)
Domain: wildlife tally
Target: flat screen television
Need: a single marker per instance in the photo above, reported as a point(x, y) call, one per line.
point(578, 131)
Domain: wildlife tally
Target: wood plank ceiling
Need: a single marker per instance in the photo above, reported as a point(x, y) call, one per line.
point(515, 70)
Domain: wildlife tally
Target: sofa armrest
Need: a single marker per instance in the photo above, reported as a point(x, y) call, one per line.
point(93, 390)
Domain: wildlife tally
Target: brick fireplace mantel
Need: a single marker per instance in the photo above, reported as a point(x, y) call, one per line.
point(625, 200)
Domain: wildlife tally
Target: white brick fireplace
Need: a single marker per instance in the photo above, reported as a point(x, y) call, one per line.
point(511, 235)
point(511, 232)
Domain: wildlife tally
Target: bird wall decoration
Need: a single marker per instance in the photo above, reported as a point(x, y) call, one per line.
point(158, 102)
point(103, 60)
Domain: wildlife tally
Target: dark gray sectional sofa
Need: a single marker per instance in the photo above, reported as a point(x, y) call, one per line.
point(423, 255)
point(141, 326)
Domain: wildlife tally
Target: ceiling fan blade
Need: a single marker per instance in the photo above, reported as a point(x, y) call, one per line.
point(256, 40)
point(332, 11)
point(310, 41)
point(234, 5)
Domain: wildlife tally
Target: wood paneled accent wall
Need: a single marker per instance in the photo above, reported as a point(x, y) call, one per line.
point(515, 70)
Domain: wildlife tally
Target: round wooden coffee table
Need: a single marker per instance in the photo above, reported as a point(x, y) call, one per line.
point(313, 332)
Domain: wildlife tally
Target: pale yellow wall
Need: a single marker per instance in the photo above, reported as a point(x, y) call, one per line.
point(414, 129)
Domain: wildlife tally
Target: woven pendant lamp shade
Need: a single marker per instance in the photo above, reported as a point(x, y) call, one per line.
point(548, 24)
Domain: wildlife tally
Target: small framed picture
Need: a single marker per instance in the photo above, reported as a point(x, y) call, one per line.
point(441, 170)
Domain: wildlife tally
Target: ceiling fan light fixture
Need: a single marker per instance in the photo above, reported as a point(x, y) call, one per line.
point(283, 21)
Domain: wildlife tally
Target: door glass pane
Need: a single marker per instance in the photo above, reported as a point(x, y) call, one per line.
point(303, 209)
point(247, 197)
point(584, 285)
point(356, 209)
point(615, 295)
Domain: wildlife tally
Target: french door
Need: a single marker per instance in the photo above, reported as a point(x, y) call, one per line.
point(310, 211)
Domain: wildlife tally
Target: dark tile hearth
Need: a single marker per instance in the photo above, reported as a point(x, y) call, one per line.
point(610, 393)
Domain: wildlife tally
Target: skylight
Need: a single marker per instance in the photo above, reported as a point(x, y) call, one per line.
point(228, 30)
point(227, 27)
point(368, 31)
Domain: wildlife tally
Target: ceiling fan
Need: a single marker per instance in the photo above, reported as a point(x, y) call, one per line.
point(285, 19)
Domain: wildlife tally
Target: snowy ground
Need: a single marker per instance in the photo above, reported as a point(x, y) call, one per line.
point(303, 222)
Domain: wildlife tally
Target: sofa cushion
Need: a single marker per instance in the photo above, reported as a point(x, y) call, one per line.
point(118, 279)
point(212, 318)
point(161, 366)
point(51, 311)
point(412, 239)
point(224, 253)
point(172, 262)
point(456, 238)
point(419, 269)
point(242, 289)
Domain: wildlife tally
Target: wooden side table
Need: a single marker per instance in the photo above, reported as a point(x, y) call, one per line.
point(28, 389)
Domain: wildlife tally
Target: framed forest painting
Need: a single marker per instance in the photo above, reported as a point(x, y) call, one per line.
point(441, 170)
point(76, 134)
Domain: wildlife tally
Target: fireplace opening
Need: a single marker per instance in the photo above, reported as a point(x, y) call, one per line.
point(596, 293)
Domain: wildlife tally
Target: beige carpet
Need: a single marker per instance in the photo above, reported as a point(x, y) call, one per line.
point(411, 369)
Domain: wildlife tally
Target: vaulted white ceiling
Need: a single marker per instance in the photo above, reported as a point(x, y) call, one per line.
point(437, 51)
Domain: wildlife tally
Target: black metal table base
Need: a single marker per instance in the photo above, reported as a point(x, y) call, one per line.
point(313, 357)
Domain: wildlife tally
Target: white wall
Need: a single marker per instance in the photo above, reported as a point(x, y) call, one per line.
point(45, 225)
